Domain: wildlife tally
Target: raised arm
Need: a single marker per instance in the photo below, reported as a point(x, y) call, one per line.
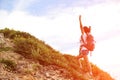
point(81, 26)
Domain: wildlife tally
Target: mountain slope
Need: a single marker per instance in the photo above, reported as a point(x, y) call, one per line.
point(23, 56)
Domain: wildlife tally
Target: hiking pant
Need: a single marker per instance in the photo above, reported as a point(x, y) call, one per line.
point(83, 51)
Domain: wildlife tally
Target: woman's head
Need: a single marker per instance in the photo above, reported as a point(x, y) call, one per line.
point(86, 29)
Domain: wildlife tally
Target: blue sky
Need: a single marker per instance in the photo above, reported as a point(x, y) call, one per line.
point(42, 7)
point(35, 7)
point(56, 22)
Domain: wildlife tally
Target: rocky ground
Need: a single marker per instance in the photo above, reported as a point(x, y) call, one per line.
point(14, 66)
point(27, 69)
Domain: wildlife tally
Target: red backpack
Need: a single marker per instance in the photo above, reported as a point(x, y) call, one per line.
point(90, 42)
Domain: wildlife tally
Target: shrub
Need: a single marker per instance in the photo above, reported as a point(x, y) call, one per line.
point(24, 46)
point(10, 33)
point(9, 64)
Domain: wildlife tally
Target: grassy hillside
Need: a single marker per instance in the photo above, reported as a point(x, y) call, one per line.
point(37, 50)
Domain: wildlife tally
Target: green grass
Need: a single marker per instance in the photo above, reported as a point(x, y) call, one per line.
point(31, 47)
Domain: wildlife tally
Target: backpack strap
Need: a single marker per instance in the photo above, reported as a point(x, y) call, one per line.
point(83, 38)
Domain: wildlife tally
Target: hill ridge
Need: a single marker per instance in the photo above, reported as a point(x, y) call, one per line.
point(18, 45)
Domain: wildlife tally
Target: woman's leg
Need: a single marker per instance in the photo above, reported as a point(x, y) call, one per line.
point(88, 64)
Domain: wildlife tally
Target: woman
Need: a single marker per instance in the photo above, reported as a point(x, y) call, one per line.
point(86, 45)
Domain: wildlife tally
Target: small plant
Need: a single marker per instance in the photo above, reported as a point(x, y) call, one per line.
point(28, 71)
point(9, 64)
point(5, 49)
point(2, 44)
